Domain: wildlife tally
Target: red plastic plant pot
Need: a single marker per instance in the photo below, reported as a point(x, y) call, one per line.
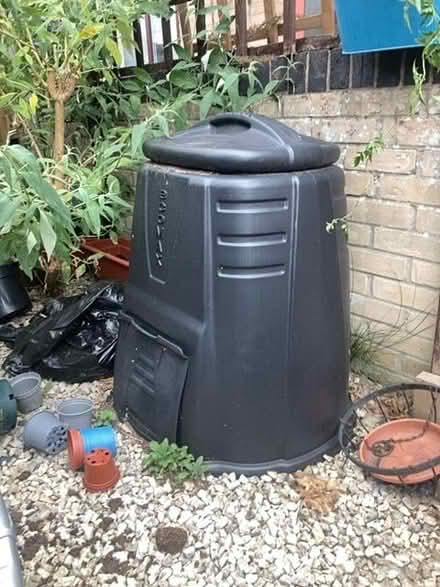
point(115, 261)
point(75, 449)
point(100, 471)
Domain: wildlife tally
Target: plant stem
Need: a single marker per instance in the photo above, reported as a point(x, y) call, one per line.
point(58, 143)
point(31, 138)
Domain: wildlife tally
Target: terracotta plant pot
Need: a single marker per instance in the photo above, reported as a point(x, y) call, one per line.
point(403, 443)
point(81, 443)
point(115, 262)
point(75, 448)
point(100, 471)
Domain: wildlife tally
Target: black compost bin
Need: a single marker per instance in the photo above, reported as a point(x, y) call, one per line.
point(235, 331)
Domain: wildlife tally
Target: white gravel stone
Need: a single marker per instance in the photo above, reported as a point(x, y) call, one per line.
point(241, 531)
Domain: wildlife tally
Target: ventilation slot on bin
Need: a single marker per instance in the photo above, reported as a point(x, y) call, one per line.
point(255, 207)
point(251, 272)
point(252, 240)
point(155, 382)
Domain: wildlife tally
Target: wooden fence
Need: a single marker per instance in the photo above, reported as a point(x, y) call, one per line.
point(279, 31)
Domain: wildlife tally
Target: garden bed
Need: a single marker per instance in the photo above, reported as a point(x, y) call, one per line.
point(329, 527)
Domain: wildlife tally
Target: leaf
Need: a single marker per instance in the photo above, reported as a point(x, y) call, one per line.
point(49, 194)
point(205, 58)
point(117, 200)
point(182, 79)
point(113, 184)
point(6, 99)
point(130, 85)
point(143, 76)
point(205, 104)
point(182, 53)
point(229, 81)
point(223, 27)
point(180, 65)
point(90, 31)
point(95, 219)
point(7, 210)
point(24, 157)
point(255, 99)
point(135, 102)
point(31, 241)
point(125, 30)
point(48, 235)
point(271, 87)
point(80, 270)
point(137, 136)
point(163, 125)
point(33, 103)
point(113, 48)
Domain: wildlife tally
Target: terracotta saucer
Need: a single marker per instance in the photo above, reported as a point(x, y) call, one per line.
point(402, 443)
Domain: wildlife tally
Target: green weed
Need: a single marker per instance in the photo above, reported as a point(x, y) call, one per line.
point(166, 458)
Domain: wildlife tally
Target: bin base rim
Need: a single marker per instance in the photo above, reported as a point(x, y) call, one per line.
point(331, 447)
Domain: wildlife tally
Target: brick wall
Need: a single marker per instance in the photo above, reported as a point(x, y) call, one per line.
point(394, 229)
point(394, 202)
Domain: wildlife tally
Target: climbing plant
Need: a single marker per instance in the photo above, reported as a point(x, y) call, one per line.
point(428, 40)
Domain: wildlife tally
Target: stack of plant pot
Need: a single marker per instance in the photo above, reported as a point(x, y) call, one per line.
point(94, 449)
point(91, 449)
point(22, 393)
point(47, 431)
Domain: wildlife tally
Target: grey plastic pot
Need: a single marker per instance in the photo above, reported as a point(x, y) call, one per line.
point(27, 391)
point(76, 413)
point(46, 433)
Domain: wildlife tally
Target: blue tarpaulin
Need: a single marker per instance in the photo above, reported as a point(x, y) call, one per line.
point(377, 25)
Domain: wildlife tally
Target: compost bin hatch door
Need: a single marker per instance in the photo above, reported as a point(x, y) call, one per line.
point(155, 381)
point(242, 143)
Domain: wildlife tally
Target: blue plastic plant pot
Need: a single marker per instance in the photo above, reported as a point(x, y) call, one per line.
point(101, 437)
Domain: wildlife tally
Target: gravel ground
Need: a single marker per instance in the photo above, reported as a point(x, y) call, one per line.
point(329, 526)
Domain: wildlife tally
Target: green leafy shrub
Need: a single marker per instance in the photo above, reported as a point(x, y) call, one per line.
point(83, 126)
point(166, 458)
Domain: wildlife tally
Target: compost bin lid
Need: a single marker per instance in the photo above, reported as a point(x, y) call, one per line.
point(242, 143)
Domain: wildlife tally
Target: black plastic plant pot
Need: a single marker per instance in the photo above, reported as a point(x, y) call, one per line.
point(8, 407)
point(13, 296)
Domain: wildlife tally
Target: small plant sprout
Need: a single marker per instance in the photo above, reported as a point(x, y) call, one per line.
point(365, 156)
point(166, 458)
point(106, 417)
point(338, 224)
